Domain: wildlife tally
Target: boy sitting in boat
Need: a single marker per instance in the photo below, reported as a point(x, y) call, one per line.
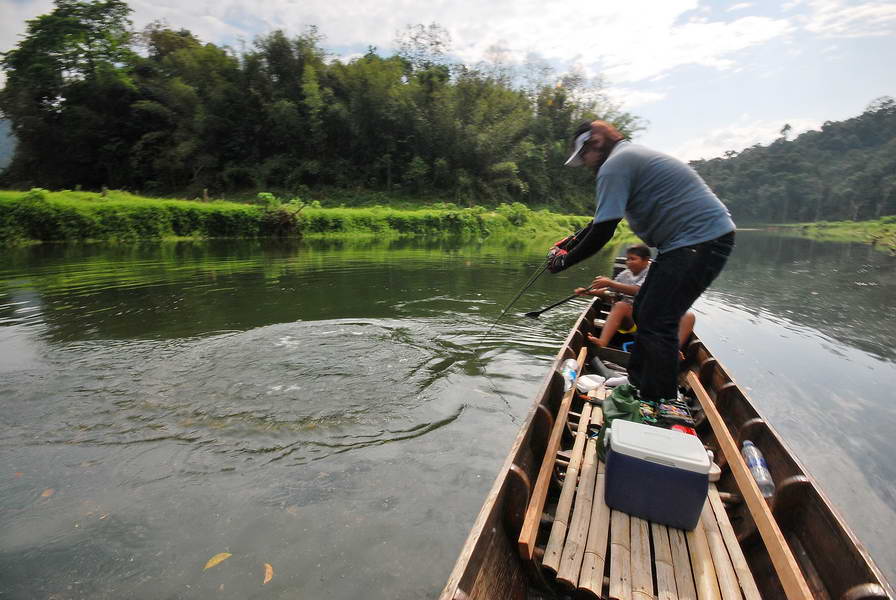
point(622, 291)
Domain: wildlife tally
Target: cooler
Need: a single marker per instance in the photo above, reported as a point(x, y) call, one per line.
point(657, 474)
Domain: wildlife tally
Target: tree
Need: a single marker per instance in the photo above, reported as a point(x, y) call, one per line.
point(190, 114)
point(182, 115)
point(70, 70)
point(423, 47)
point(785, 130)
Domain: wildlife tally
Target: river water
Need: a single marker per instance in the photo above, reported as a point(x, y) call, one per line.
point(329, 409)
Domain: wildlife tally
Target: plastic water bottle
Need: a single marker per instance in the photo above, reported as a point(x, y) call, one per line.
point(759, 468)
point(568, 369)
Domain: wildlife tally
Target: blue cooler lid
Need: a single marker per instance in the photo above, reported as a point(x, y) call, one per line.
point(661, 446)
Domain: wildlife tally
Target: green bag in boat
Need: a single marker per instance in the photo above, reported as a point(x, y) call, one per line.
point(621, 404)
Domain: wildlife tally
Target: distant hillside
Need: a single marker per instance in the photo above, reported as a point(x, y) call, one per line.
point(846, 171)
point(7, 143)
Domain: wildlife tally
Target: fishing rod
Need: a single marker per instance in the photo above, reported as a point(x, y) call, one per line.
point(563, 244)
point(530, 283)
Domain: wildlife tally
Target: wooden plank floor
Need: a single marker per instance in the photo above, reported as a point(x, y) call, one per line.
point(627, 558)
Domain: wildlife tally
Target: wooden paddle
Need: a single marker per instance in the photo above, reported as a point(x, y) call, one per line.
point(534, 314)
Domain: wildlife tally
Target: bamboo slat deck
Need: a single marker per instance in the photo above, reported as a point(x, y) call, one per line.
point(642, 560)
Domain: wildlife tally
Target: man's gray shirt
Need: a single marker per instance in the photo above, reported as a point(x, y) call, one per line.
point(664, 200)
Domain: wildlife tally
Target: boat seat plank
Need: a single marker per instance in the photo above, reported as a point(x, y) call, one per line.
point(554, 548)
point(613, 355)
point(591, 577)
point(738, 561)
point(642, 568)
point(620, 556)
point(574, 549)
point(665, 571)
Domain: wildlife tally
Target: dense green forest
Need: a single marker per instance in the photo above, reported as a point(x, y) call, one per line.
point(846, 171)
point(94, 103)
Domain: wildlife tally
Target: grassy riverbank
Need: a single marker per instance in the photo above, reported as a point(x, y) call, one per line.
point(879, 232)
point(42, 216)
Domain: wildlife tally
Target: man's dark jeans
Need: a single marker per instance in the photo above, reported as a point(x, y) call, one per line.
point(675, 280)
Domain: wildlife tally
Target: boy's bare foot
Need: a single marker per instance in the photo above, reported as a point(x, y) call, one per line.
point(595, 341)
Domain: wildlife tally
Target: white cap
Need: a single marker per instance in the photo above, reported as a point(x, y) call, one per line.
point(575, 160)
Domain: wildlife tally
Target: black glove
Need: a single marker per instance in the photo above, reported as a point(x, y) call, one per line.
point(557, 260)
point(570, 241)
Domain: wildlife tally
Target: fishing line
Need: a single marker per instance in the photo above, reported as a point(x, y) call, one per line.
point(532, 279)
point(529, 283)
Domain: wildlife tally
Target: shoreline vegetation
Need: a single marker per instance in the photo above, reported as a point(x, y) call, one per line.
point(880, 233)
point(39, 215)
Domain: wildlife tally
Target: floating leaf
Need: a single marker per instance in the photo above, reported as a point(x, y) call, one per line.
point(268, 573)
point(18, 474)
point(47, 493)
point(216, 559)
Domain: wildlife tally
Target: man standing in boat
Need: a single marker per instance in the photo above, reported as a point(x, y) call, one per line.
point(669, 207)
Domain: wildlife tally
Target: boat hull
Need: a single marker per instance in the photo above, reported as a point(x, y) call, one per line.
point(833, 562)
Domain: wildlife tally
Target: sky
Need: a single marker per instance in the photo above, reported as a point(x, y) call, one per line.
point(705, 77)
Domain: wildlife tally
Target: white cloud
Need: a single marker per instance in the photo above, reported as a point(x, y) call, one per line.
point(631, 98)
point(664, 46)
point(346, 58)
point(742, 134)
point(12, 25)
point(837, 18)
point(629, 42)
point(635, 41)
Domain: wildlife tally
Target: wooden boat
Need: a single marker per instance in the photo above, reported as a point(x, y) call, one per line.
point(794, 546)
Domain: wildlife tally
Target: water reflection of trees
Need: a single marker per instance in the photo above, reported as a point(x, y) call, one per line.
point(845, 290)
point(181, 289)
point(170, 290)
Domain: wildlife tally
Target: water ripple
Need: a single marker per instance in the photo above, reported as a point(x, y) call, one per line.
point(287, 389)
